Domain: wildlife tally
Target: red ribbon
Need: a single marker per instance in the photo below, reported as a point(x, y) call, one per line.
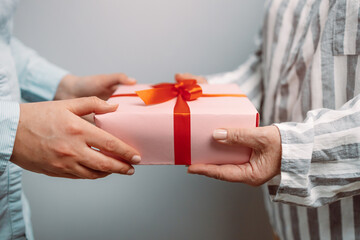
point(185, 90)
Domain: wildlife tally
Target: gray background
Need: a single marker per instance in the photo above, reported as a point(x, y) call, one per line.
point(149, 40)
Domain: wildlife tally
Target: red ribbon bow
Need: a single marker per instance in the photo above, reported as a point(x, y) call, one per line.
point(185, 90)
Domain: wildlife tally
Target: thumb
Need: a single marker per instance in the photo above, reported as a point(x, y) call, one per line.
point(87, 105)
point(248, 137)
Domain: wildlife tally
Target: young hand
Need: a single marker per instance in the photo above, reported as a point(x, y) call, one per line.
point(52, 139)
point(101, 86)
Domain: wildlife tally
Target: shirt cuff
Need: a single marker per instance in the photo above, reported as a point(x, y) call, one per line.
point(43, 79)
point(297, 146)
point(9, 119)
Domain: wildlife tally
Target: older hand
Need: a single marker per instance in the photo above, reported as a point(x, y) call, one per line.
point(101, 86)
point(264, 163)
point(52, 139)
point(185, 76)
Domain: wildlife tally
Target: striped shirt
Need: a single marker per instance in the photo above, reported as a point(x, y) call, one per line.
point(305, 78)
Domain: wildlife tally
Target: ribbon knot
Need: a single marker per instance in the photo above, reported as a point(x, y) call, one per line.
point(188, 89)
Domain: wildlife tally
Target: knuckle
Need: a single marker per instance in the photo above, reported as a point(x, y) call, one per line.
point(235, 137)
point(105, 166)
point(62, 150)
point(73, 129)
point(95, 100)
point(218, 176)
point(58, 166)
point(110, 145)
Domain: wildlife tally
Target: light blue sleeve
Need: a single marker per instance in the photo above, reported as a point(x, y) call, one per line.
point(38, 78)
point(9, 118)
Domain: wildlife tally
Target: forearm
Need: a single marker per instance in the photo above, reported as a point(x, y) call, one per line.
point(38, 78)
point(320, 157)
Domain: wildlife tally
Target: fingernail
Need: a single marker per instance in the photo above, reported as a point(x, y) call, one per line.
point(131, 171)
point(136, 159)
point(220, 134)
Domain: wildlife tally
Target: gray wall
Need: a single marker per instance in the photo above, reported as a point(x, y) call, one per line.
point(149, 40)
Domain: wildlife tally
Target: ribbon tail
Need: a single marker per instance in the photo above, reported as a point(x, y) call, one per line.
point(182, 132)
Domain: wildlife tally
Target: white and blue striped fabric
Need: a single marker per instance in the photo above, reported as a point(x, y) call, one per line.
point(305, 78)
point(23, 74)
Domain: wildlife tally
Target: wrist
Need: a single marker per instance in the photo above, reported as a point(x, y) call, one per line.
point(65, 88)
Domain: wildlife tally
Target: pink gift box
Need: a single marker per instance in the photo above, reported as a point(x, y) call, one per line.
point(149, 128)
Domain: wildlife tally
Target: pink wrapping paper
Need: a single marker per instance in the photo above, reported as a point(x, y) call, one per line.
point(149, 129)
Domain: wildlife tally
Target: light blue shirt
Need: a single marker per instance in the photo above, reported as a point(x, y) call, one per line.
point(23, 74)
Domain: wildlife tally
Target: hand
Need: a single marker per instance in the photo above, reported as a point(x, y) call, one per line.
point(101, 86)
point(265, 159)
point(52, 139)
point(184, 76)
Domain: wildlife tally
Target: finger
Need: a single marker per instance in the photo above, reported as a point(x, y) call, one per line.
point(87, 105)
point(98, 161)
point(248, 137)
point(87, 173)
point(118, 78)
point(230, 173)
point(106, 142)
point(61, 175)
point(77, 171)
point(185, 76)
